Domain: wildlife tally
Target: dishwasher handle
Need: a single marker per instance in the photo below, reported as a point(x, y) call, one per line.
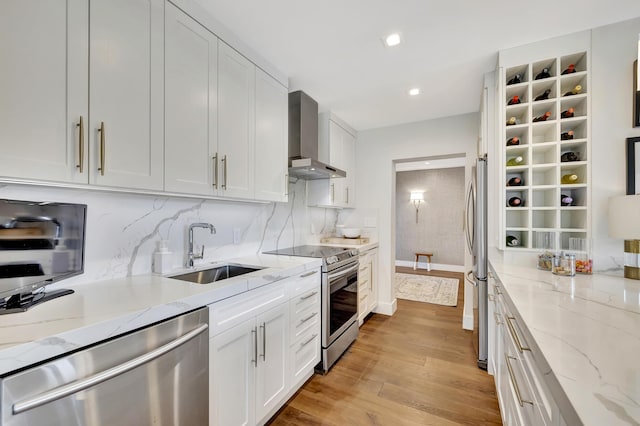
point(105, 375)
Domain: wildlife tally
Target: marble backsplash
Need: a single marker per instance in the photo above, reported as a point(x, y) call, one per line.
point(123, 229)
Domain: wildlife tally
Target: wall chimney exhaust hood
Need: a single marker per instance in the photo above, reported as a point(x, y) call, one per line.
point(303, 140)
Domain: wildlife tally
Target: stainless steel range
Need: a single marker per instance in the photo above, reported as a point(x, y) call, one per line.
point(339, 297)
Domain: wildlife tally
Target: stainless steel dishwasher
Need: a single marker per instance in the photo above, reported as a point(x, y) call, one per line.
point(156, 375)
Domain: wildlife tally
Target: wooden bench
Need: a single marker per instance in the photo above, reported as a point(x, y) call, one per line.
point(427, 255)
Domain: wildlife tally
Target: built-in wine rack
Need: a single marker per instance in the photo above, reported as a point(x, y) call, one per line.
point(541, 146)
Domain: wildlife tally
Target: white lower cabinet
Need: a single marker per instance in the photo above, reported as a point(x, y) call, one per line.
point(523, 396)
point(367, 283)
point(263, 345)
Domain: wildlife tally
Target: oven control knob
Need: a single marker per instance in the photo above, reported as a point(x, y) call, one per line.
point(332, 259)
point(353, 252)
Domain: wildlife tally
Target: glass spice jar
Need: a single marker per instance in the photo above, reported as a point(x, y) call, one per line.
point(581, 248)
point(564, 264)
point(545, 242)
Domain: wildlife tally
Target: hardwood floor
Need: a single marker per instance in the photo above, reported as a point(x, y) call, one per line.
point(417, 367)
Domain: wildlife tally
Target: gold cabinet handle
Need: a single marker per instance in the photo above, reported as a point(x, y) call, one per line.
point(224, 172)
point(516, 339)
point(102, 148)
point(80, 126)
point(512, 376)
point(286, 185)
point(215, 170)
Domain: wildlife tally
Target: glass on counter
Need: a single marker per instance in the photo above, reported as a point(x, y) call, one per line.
point(581, 248)
point(564, 264)
point(546, 243)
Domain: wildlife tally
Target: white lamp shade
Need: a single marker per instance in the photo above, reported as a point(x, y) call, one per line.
point(624, 217)
point(417, 196)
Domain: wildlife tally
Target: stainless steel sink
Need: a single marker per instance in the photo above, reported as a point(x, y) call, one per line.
point(208, 276)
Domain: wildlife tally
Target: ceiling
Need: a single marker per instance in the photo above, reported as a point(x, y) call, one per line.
point(332, 49)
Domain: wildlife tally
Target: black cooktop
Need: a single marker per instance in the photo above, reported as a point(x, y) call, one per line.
point(309, 251)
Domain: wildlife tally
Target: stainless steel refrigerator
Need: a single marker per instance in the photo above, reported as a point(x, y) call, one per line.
point(476, 230)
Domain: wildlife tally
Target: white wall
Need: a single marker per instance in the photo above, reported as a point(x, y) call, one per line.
point(614, 48)
point(377, 150)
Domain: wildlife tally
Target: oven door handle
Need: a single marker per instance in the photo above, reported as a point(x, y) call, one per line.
point(341, 274)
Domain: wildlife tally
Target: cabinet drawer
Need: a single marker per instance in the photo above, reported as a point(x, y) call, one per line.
point(363, 302)
point(303, 320)
point(304, 281)
point(305, 300)
point(305, 353)
point(232, 311)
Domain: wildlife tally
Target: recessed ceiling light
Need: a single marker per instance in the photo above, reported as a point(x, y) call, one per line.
point(414, 92)
point(392, 40)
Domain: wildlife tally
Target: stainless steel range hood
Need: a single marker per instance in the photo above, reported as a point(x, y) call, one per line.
point(303, 140)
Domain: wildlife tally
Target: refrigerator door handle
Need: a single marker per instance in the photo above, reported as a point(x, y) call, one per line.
point(469, 228)
point(471, 278)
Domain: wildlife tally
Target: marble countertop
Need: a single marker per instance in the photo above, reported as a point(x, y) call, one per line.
point(587, 331)
point(104, 309)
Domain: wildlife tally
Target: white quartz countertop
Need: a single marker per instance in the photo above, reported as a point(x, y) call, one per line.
point(587, 329)
point(104, 309)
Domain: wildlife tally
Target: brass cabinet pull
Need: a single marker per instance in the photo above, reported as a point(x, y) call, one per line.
point(512, 376)
point(286, 185)
point(310, 317)
point(264, 341)
point(513, 333)
point(80, 126)
point(224, 172)
point(215, 170)
point(303, 344)
point(102, 143)
point(254, 331)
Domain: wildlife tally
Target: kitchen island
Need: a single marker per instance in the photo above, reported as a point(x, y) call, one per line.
point(105, 309)
point(583, 333)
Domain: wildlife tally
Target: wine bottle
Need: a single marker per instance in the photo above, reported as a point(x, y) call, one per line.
point(512, 121)
point(568, 113)
point(569, 179)
point(514, 80)
point(542, 96)
point(569, 70)
point(542, 117)
point(515, 181)
point(569, 156)
point(575, 91)
point(565, 200)
point(513, 141)
point(514, 101)
point(543, 74)
point(565, 136)
point(515, 161)
point(512, 241)
point(515, 202)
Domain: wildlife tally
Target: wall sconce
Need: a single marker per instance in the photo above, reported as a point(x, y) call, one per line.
point(636, 89)
point(624, 223)
point(417, 198)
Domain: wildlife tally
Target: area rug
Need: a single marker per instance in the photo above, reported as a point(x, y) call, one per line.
point(429, 289)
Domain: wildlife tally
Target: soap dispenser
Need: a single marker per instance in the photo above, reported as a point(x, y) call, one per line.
point(162, 258)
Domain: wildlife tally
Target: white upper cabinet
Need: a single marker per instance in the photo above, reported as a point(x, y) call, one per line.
point(271, 144)
point(43, 89)
point(191, 70)
point(126, 132)
point(236, 122)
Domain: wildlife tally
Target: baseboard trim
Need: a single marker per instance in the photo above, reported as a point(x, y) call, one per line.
point(385, 308)
point(467, 322)
point(436, 266)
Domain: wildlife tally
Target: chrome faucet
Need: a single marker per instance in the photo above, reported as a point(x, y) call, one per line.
point(191, 256)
